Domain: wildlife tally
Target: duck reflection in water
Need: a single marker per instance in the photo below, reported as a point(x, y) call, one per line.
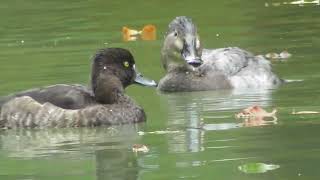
point(75, 147)
point(116, 164)
point(201, 112)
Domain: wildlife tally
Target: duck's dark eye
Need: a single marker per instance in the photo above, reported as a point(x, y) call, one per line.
point(175, 34)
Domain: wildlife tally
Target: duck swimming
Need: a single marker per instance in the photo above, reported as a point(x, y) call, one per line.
point(191, 68)
point(104, 103)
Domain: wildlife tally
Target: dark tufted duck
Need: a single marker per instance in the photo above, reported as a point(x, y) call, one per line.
point(104, 103)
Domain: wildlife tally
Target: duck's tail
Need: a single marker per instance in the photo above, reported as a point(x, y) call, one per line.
point(2, 101)
point(5, 99)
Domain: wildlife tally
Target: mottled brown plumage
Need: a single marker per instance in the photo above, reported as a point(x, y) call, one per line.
point(189, 67)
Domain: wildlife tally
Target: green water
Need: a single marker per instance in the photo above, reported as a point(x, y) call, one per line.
point(50, 42)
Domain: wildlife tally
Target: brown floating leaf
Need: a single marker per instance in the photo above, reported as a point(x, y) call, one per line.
point(255, 111)
point(254, 116)
point(140, 148)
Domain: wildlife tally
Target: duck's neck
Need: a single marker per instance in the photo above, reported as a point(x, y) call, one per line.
point(108, 89)
point(175, 64)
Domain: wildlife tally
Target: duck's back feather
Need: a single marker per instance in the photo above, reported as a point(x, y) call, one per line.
point(243, 69)
point(65, 96)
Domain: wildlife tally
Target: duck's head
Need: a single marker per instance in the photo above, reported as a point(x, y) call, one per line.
point(113, 69)
point(181, 45)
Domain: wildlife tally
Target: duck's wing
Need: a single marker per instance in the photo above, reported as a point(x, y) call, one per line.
point(241, 67)
point(62, 95)
point(26, 112)
point(230, 60)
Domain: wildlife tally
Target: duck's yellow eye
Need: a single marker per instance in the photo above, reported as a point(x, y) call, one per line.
point(126, 64)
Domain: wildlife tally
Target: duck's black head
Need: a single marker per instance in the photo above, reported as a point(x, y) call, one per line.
point(182, 42)
point(113, 69)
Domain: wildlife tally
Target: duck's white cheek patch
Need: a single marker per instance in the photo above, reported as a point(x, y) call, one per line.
point(197, 43)
point(178, 43)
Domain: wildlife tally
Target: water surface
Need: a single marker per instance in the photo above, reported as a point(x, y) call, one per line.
point(50, 42)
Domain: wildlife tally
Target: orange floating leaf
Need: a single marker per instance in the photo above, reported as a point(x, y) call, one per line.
point(129, 34)
point(149, 32)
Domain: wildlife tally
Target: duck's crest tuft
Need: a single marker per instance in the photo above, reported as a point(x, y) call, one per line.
point(182, 24)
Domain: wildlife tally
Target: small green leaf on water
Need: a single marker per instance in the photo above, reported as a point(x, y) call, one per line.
point(257, 167)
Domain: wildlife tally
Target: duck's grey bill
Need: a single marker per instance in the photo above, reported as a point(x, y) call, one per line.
point(144, 81)
point(194, 62)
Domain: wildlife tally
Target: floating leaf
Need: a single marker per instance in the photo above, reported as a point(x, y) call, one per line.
point(141, 133)
point(140, 148)
point(147, 33)
point(256, 111)
point(257, 167)
point(305, 112)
